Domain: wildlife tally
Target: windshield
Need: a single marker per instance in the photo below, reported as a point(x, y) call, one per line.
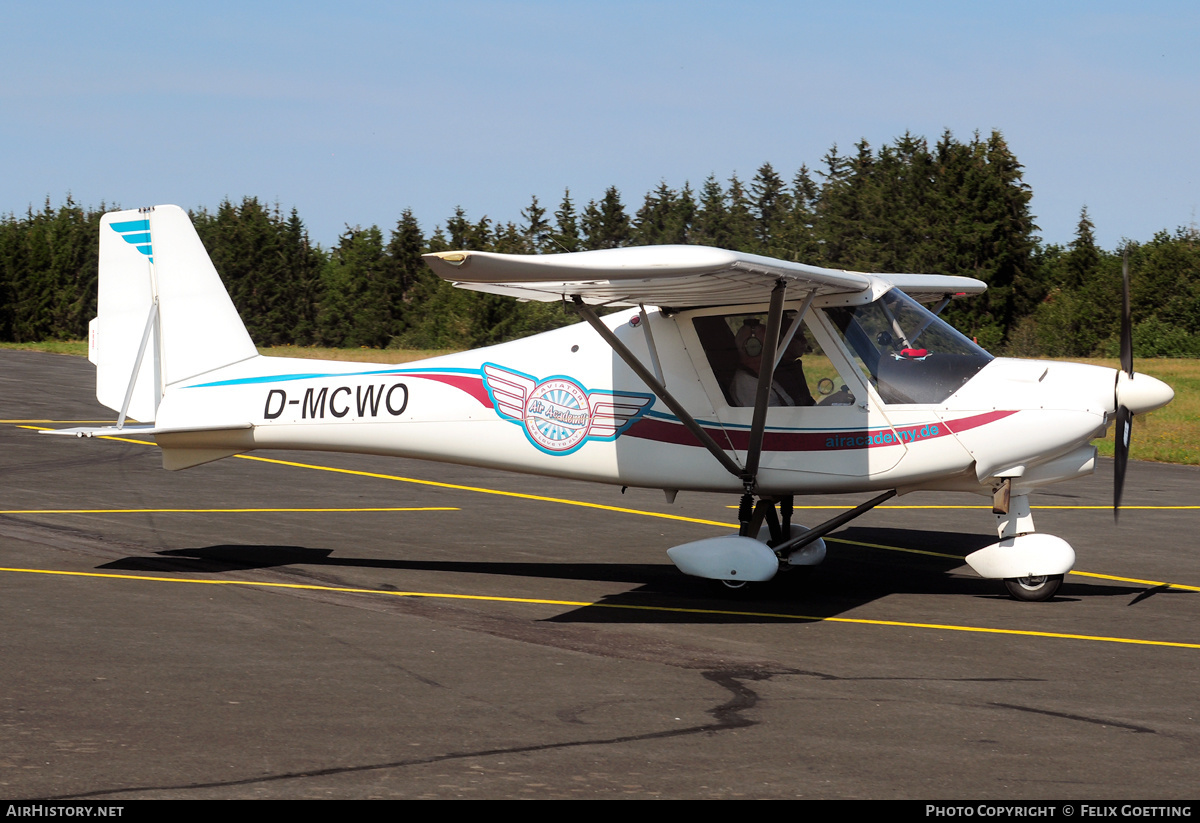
point(906, 351)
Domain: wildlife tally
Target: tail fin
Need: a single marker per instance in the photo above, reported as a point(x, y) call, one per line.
point(164, 315)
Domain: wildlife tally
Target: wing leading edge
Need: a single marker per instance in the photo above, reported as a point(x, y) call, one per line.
point(677, 276)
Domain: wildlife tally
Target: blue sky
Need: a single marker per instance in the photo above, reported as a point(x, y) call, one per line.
point(352, 112)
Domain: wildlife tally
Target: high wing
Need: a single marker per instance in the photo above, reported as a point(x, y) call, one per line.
point(675, 276)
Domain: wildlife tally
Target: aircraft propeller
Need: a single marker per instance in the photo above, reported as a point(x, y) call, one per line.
point(1124, 415)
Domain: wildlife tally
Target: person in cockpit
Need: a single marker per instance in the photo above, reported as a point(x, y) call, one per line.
point(788, 386)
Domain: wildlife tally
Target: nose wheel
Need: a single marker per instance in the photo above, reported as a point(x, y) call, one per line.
point(1035, 588)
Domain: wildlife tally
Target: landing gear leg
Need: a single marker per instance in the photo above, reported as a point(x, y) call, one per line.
point(1017, 519)
point(745, 514)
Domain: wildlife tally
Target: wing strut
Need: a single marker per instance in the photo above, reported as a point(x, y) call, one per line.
point(585, 311)
point(817, 532)
point(766, 374)
point(658, 372)
point(151, 326)
point(794, 328)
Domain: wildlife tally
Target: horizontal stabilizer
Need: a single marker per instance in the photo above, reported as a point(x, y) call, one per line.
point(142, 430)
point(176, 459)
point(182, 448)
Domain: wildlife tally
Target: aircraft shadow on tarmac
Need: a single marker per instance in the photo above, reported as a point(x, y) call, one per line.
point(851, 576)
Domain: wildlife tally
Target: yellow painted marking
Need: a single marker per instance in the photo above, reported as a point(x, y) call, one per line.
point(989, 508)
point(129, 440)
point(1123, 507)
point(228, 511)
point(60, 422)
point(587, 604)
point(694, 519)
point(438, 484)
point(892, 548)
point(1151, 583)
point(480, 490)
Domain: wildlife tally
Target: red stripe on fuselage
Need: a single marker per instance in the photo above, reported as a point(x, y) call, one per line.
point(665, 431)
point(470, 384)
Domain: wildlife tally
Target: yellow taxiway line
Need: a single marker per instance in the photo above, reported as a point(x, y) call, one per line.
point(1149, 583)
point(564, 501)
point(231, 511)
point(641, 512)
point(627, 606)
point(984, 506)
point(438, 484)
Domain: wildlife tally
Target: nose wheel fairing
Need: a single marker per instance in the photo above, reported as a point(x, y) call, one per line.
point(1031, 565)
point(1023, 556)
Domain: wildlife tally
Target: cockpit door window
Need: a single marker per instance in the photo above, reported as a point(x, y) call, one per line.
point(733, 346)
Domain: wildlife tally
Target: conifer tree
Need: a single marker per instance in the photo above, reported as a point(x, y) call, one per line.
point(356, 309)
point(302, 266)
point(684, 213)
point(798, 241)
point(770, 206)
point(566, 238)
point(836, 215)
point(406, 269)
point(535, 229)
point(663, 218)
point(458, 230)
point(267, 265)
point(509, 239)
point(12, 270)
point(710, 226)
point(989, 233)
point(903, 208)
point(739, 220)
point(606, 225)
point(1084, 258)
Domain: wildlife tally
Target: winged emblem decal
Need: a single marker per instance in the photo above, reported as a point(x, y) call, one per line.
point(558, 414)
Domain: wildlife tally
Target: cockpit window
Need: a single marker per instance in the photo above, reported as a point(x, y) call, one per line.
point(804, 376)
point(906, 351)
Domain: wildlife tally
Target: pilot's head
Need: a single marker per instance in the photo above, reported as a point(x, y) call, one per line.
point(750, 343)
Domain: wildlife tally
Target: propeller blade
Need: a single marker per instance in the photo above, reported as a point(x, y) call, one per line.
point(1121, 453)
point(1126, 321)
point(1124, 416)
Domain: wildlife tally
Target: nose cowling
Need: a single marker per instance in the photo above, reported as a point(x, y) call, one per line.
point(1141, 393)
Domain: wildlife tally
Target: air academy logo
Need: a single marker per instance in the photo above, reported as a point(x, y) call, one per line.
point(558, 414)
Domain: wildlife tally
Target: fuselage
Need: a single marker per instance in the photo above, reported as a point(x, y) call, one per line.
point(562, 404)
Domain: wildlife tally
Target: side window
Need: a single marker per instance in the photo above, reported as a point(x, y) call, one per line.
point(733, 344)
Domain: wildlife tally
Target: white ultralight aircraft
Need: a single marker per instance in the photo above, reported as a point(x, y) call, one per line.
point(728, 372)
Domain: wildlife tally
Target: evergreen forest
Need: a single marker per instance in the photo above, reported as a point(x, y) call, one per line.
point(952, 207)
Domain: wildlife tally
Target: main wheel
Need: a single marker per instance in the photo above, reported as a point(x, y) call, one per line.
point(1034, 588)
